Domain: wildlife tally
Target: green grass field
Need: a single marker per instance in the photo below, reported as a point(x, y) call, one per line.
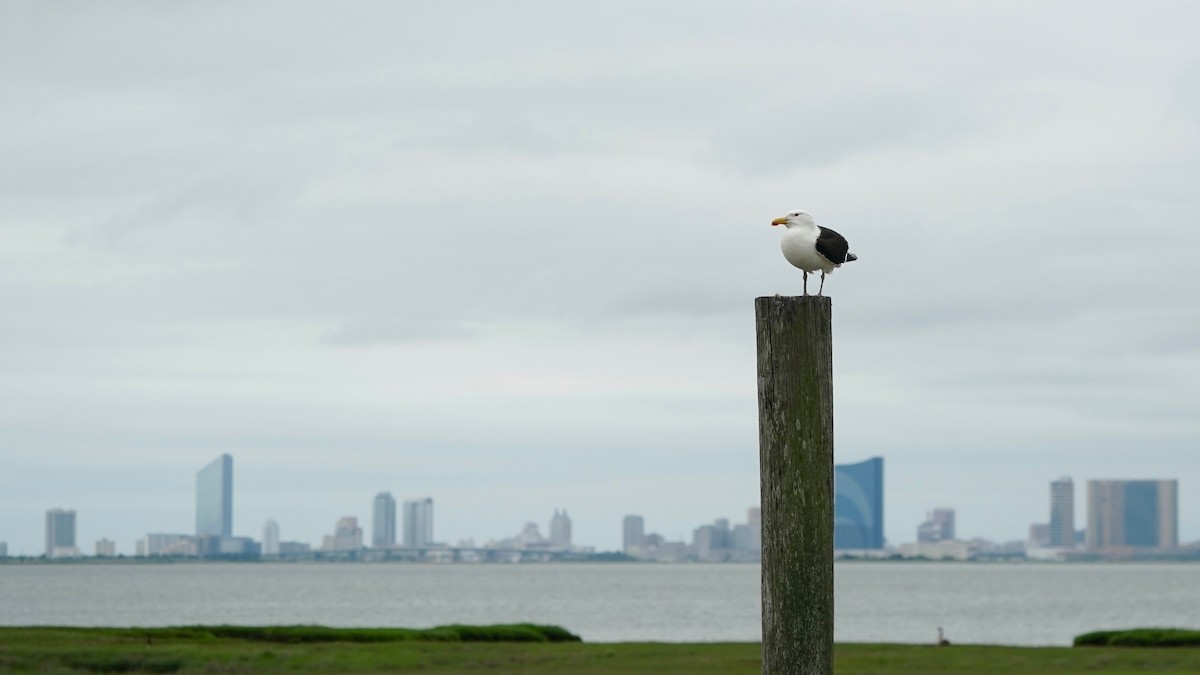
point(319, 650)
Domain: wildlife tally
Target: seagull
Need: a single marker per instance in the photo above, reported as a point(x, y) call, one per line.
point(811, 247)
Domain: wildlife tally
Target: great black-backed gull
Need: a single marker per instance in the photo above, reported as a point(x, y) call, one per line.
point(811, 247)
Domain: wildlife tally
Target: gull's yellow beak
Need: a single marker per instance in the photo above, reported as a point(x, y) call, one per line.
point(779, 221)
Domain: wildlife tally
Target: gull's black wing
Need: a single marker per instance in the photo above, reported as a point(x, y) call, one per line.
point(832, 246)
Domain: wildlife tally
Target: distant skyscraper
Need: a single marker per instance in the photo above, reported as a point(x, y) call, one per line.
point(106, 548)
point(938, 526)
point(1062, 513)
point(748, 536)
point(706, 541)
point(214, 498)
point(858, 505)
point(270, 540)
point(560, 529)
point(418, 522)
point(60, 533)
point(1039, 535)
point(634, 533)
point(383, 522)
point(754, 521)
point(3, 549)
point(347, 536)
point(1133, 514)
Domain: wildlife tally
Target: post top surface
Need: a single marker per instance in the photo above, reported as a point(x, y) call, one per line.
point(809, 299)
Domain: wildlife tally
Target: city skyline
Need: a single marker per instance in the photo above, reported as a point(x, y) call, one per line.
point(1122, 517)
point(853, 488)
point(213, 498)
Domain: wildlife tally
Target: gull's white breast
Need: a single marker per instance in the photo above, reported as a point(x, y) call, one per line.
point(799, 246)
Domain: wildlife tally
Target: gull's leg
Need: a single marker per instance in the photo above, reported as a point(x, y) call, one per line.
point(822, 288)
point(805, 281)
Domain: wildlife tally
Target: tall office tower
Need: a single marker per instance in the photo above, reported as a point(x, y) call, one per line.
point(1133, 514)
point(938, 526)
point(214, 498)
point(1062, 513)
point(858, 505)
point(270, 541)
point(560, 529)
point(634, 534)
point(60, 532)
point(3, 549)
point(418, 522)
point(383, 522)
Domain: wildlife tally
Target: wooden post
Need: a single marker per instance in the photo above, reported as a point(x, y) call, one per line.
point(795, 436)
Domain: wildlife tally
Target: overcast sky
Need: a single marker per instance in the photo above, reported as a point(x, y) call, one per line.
point(505, 255)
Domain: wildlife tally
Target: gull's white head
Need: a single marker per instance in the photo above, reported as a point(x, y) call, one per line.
point(797, 217)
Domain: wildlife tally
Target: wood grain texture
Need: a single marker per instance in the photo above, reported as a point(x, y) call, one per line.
point(795, 421)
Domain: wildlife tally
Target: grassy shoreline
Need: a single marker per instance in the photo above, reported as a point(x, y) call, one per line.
point(507, 649)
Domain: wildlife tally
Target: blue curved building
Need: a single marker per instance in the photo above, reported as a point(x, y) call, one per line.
point(858, 505)
point(214, 498)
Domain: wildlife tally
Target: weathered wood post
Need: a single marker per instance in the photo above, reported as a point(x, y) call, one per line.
point(795, 435)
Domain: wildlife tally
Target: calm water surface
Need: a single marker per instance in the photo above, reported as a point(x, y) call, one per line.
point(1020, 604)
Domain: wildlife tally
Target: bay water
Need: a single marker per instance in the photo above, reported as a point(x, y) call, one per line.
point(1010, 603)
